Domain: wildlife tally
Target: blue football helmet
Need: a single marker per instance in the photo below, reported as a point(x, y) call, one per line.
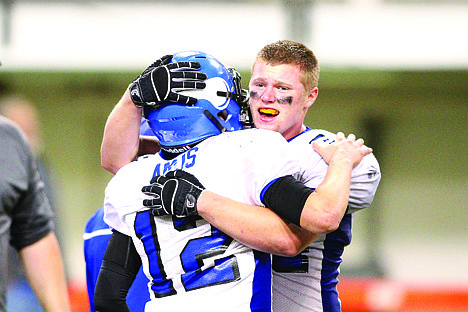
point(145, 128)
point(222, 106)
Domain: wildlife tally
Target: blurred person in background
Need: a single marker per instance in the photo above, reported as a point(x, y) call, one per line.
point(26, 115)
point(26, 223)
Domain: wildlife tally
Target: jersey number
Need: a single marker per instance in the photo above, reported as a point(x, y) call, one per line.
point(196, 251)
point(297, 264)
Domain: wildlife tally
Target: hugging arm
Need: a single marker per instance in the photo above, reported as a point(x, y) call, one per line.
point(121, 135)
point(316, 213)
point(320, 211)
point(254, 226)
point(308, 214)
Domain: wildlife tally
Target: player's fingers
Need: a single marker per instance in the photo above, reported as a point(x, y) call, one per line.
point(166, 59)
point(171, 174)
point(152, 190)
point(325, 150)
point(152, 203)
point(183, 99)
point(359, 142)
point(187, 85)
point(366, 150)
point(351, 137)
point(162, 61)
point(158, 211)
point(158, 179)
point(184, 65)
point(340, 136)
point(316, 146)
point(195, 75)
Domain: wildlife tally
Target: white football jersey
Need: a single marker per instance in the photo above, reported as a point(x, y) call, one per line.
point(191, 265)
point(307, 282)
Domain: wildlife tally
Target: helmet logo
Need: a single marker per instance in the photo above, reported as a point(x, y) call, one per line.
point(213, 85)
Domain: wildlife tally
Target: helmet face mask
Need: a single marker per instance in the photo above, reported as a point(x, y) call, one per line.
point(178, 126)
point(242, 97)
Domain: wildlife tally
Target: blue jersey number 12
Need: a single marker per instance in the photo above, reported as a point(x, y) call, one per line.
point(200, 270)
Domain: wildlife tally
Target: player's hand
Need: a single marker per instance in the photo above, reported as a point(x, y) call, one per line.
point(349, 148)
point(162, 81)
point(175, 194)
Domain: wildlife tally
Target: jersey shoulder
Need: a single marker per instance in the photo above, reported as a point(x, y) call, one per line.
point(248, 141)
point(262, 136)
point(311, 135)
point(128, 181)
point(137, 168)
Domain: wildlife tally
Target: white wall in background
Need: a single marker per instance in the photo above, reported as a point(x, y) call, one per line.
point(362, 33)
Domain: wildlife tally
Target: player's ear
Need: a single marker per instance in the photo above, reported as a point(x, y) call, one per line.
point(311, 97)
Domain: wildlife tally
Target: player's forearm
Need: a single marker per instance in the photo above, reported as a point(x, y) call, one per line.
point(45, 272)
point(121, 135)
point(326, 206)
point(254, 226)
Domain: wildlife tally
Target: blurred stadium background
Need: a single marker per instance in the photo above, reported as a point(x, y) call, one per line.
point(394, 72)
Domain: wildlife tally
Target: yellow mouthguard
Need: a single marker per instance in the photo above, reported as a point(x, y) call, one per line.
point(269, 111)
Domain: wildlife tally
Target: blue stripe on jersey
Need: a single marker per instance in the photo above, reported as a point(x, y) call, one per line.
point(307, 129)
point(262, 193)
point(319, 136)
point(333, 250)
point(261, 292)
point(145, 227)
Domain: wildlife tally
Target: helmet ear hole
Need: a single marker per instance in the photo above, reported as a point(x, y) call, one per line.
point(223, 115)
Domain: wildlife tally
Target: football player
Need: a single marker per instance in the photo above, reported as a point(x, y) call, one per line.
point(190, 263)
point(283, 86)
